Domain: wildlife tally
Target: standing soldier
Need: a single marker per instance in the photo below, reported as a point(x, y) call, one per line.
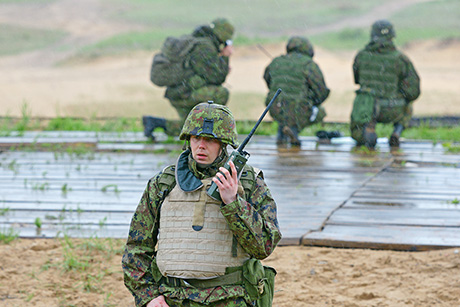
point(388, 85)
point(304, 90)
point(204, 68)
point(187, 249)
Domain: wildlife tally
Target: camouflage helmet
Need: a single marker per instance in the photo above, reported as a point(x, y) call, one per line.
point(300, 44)
point(211, 120)
point(382, 29)
point(223, 29)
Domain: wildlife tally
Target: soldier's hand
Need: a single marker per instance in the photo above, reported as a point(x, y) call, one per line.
point(158, 302)
point(227, 51)
point(227, 183)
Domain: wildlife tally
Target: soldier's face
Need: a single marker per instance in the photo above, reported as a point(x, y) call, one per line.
point(205, 150)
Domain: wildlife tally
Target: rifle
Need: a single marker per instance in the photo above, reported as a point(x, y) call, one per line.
point(264, 51)
point(239, 157)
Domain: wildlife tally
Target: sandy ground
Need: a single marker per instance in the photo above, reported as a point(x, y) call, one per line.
point(121, 86)
point(33, 272)
point(45, 83)
point(39, 273)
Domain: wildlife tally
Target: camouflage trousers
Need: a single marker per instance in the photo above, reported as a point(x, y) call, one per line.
point(218, 94)
point(236, 302)
point(220, 296)
point(386, 112)
point(295, 114)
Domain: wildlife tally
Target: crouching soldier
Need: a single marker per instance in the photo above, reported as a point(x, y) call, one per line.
point(388, 86)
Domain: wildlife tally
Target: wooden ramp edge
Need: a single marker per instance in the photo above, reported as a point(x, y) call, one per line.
point(401, 238)
point(326, 194)
point(412, 208)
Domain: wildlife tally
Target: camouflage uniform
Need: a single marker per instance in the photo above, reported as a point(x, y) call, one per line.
point(303, 87)
point(209, 70)
point(387, 75)
point(251, 219)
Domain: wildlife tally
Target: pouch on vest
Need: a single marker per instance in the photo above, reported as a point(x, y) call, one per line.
point(363, 107)
point(254, 278)
point(269, 288)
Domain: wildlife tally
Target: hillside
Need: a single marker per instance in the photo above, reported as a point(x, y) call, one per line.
point(53, 80)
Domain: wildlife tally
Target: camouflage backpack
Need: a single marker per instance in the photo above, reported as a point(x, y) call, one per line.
point(170, 67)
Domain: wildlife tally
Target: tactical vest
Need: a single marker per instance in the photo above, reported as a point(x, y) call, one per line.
point(288, 72)
point(379, 72)
point(186, 253)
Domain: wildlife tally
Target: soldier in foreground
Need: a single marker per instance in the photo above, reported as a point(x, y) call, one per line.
point(304, 90)
point(388, 86)
point(203, 65)
point(188, 249)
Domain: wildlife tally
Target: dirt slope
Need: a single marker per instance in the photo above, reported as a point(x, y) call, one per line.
point(121, 87)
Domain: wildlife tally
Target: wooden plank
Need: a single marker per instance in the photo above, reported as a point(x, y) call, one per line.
point(95, 195)
point(405, 198)
point(400, 203)
point(67, 217)
point(395, 216)
point(407, 189)
point(119, 232)
point(385, 237)
point(309, 184)
point(101, 206)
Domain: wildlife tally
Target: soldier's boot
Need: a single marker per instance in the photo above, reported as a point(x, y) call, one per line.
point(334, 134)
point(370, 137)
point(323, 137)
point(281, 138)
point(322, 134)
point(394, 138)
point(151, 123)
point(293, 134)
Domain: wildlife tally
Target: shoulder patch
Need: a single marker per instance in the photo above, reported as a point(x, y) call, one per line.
point(168, 176)
point(248, 178)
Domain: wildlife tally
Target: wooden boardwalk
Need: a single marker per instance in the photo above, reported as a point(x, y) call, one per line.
point(327, 194)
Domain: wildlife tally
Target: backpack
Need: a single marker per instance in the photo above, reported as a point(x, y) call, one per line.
point(170, 67)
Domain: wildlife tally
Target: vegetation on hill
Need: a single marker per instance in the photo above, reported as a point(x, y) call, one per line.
point(257, 21)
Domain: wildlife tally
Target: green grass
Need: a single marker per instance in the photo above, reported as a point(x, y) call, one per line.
point(27, 123)
point(256, 22)
point(93, 124)
point(16, 39)
point(452, 148)
point(430, 20)
point(25, 1)
point(257, 16)
point(4, 211)
point(8, 125)
point(127, 42)
point(263, 21)
point(8, 235)
point(446, 134)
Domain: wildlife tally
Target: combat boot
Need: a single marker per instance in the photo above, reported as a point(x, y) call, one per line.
point(293, 134)
point(334, 134)
point(370, 137)
point(394, 138)
point(281, 138)
point(322, 134)
point(151, 123)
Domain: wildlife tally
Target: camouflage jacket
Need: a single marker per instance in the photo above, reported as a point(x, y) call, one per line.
point(205, 64)
point(300, 78)
point(386, 71)
point(206, 61)
point(253, 221)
